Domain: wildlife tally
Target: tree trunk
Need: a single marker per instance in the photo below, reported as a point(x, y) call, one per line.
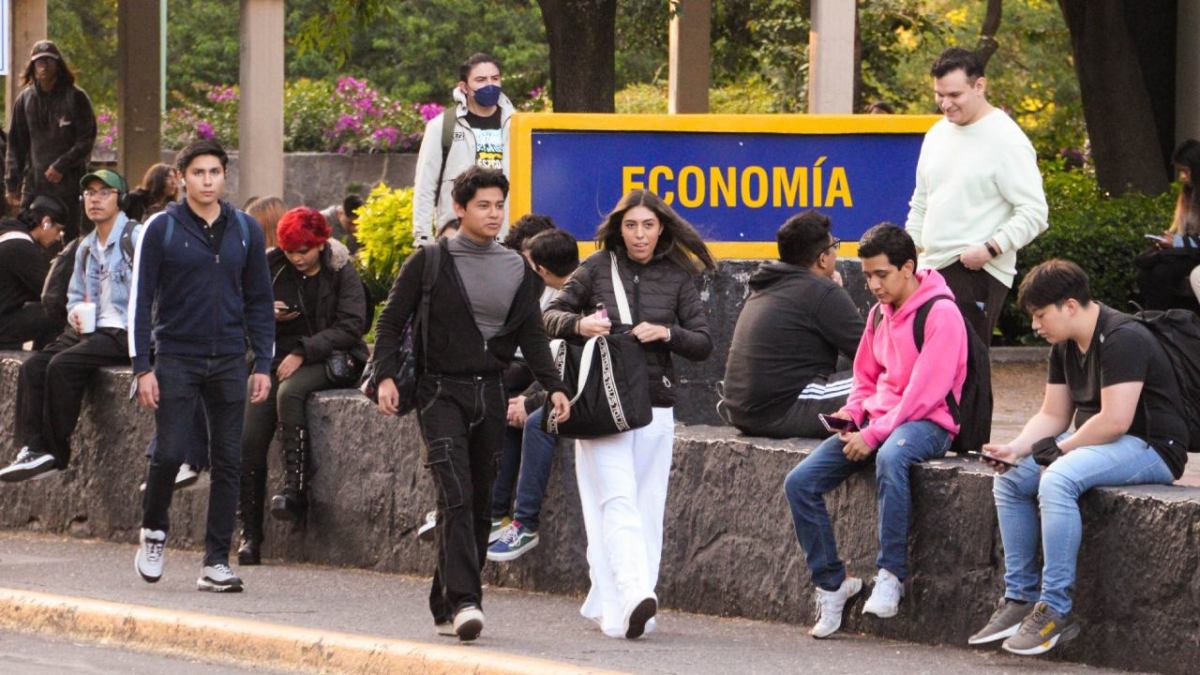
point(1125, 58)
point(987, 32)
point(582, 38)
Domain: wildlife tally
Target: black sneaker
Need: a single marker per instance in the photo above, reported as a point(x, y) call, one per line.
point(219, 579)
point(29, 464)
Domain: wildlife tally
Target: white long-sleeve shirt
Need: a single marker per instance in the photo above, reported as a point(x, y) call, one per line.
point(977, 183)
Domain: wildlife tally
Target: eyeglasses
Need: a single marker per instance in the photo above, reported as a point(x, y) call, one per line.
point(833, 244)
point(103, 193)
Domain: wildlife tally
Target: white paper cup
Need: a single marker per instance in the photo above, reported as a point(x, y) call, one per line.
point(86, 311)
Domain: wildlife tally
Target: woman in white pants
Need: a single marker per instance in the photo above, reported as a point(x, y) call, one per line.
point(623, 478)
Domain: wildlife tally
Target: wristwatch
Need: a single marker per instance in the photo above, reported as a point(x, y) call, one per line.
point(991, 249)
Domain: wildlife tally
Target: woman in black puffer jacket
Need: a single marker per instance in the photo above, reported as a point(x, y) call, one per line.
point(623, 478)
point(320, 315)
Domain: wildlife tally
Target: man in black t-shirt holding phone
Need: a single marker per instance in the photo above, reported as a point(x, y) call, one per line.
point(1111, 375)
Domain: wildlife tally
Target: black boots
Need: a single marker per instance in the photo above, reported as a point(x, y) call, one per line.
point(292, 502)
point(250, 513)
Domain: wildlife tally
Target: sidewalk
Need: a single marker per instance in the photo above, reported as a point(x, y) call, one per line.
point(521, 625)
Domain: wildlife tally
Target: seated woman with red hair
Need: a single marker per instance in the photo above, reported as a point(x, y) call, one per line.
point(320, 318)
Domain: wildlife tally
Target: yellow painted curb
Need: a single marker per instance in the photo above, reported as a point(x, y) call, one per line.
point(223, 638)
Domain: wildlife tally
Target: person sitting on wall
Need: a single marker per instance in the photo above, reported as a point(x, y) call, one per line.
point(1110, 377)
point(23, 267)
point(554, 255)
point(52, 383)
point(782, 366)
point(897, 416)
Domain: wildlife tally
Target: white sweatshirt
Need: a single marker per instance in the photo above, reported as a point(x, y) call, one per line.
point(977, 183)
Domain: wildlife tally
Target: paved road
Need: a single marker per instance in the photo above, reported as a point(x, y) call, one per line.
point(528, 624)
point(22, 654)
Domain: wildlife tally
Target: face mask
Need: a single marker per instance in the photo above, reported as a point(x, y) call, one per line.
point(488, 96)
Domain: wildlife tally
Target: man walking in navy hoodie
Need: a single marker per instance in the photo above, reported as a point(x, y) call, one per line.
point(201, 265)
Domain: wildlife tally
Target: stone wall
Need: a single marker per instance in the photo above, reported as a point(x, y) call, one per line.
point(319, 179)
point(729, 551)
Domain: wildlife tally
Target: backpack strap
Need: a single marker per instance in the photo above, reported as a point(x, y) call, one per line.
point(433, 259)
point(919, 340)
point(244, 227)
point(449, 121)
point(126, 241)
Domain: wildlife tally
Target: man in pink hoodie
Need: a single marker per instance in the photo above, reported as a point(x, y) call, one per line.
point(895, 425)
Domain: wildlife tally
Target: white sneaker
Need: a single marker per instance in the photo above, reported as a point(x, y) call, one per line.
point(885, 597)
point(219, 579)
point(468, 623)
point(637, 614)
point(445, 629)
point(830, 605)
point(151, 555)
point(426, 531)
point(186, 477)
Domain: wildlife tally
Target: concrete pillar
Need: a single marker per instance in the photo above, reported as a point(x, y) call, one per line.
point(831, 57)
point(690, 57)
point(260, 115)
point(1187, 73)
point(28, 21)
point(139, 87)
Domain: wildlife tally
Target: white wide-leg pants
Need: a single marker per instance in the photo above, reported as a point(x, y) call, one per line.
point(623, 489)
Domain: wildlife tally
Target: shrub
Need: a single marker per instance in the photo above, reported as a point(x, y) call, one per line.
point(750, 97)
point(1101, 233)
point(384, 232)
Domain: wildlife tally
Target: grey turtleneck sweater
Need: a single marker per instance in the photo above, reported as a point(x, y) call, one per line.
point(491, 275)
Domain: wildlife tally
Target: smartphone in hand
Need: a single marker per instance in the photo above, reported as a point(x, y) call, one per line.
point(993, 458)
point(836, 424)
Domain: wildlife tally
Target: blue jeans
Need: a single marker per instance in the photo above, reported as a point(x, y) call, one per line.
point(1021, 492)
point(826, 468)
point(535, 459)
point(183, 383)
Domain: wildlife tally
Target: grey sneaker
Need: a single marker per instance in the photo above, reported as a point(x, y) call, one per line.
point(1005, 622)
point(1041, 631)
point(151, 556)
point(219, 579)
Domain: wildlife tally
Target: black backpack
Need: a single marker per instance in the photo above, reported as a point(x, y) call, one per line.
point(973, 411)
point(1178, 331)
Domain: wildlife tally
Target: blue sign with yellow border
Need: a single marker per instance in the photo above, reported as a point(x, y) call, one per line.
point(735, 177)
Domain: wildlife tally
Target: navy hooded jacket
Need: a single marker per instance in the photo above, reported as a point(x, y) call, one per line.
point(197, 301)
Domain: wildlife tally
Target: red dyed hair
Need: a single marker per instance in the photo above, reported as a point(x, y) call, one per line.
point(302, 227)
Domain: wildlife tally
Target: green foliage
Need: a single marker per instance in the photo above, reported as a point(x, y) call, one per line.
point(86, 31)
point(1102, 234)
point(752, 96)
point(384, 230)
point(309, 108)
point(642, 99)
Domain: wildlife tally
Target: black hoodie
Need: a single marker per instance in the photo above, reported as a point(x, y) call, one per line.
point(789, 333)
point(23, 267)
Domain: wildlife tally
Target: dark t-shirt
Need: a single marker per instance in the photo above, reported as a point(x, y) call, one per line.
point(1122, 350)
point(301, 292)
point(489, 139)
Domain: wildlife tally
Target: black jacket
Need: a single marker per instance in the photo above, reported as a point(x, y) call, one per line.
point(659, 292)
point(456, 347)
point(338, 322)
point(23, 268)
point(56, 129)
point(789, 333)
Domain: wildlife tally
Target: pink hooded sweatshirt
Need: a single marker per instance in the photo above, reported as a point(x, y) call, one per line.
point(893, 383)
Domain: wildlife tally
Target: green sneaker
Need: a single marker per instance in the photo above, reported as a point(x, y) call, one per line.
point(513, 543)
point(498, 525)
point(1041, 631)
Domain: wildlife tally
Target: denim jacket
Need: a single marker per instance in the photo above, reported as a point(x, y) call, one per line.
point(106, 281)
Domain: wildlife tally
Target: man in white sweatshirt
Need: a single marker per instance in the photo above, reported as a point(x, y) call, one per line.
point(978, 196)
point(479, 137)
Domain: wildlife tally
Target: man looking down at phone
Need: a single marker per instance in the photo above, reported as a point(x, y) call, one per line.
point(52, 382)
point(895, 425)
point(1109, 374)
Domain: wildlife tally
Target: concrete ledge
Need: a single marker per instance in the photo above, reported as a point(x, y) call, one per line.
point(729, 551)
point(251, 642)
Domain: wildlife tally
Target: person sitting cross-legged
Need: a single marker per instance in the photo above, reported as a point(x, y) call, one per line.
point(1110, 376)
point(900, 415)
